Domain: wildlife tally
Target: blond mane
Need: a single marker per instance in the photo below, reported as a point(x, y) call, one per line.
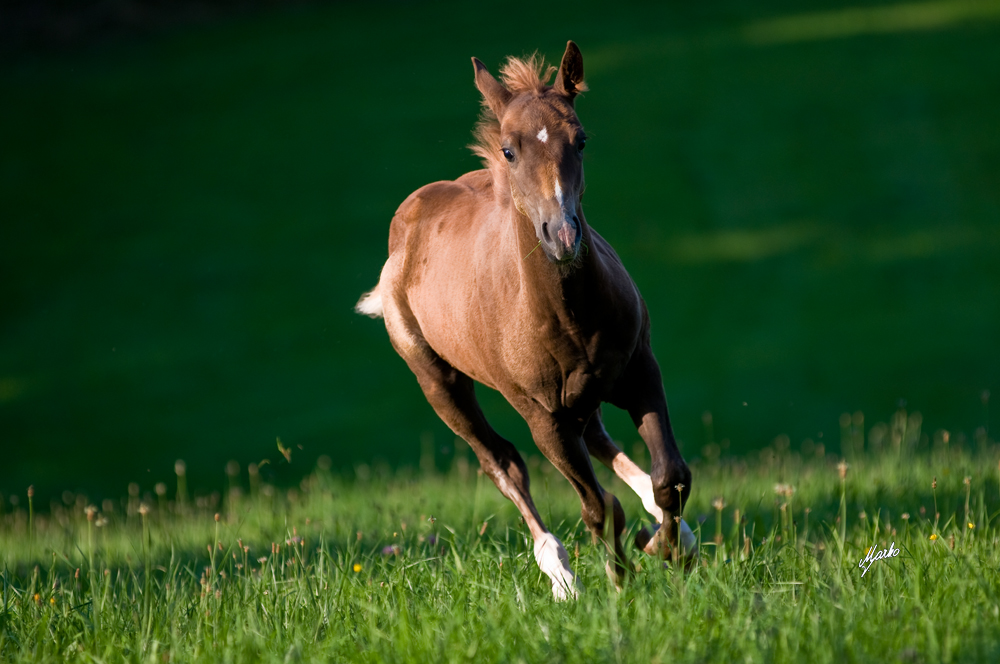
point(530, 74)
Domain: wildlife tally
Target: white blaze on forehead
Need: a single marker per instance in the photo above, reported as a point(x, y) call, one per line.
point(558, 190)
point(543, 135)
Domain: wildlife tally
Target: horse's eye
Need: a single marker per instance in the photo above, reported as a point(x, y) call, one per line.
point(508, 154)
point(581, 145)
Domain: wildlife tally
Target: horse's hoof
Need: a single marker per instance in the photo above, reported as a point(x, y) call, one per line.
point(643, 537)
point(566, 591)
point(654, 543)
point(660, 545)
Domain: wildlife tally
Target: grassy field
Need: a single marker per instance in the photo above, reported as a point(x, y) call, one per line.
point(805, 193)
point(400, 566)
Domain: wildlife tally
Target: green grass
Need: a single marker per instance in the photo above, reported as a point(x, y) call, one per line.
point(398, 567)
point(806, 195)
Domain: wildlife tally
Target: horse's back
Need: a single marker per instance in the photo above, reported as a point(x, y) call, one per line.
point(447, 205)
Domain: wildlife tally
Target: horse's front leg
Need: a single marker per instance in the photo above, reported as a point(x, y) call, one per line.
point(561, 441)
point(602, 448)
point(640, 392)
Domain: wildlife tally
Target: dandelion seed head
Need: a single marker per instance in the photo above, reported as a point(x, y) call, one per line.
point(784, 490)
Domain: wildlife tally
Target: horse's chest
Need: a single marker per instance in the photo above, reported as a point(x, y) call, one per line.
point(562, 370)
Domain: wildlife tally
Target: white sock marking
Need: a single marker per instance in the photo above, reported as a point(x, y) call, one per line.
point(639, 482)
point(688, 541)
point(543, 135)
point(553, 560)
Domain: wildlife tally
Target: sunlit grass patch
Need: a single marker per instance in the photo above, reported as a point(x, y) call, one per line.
point(404, 567)
point(855, 21)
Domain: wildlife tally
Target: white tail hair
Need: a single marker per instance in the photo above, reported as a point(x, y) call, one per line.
point(370, 304)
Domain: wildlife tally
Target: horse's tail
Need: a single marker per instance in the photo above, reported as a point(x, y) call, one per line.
point(370, 304)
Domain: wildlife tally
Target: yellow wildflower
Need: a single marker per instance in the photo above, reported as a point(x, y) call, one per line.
point(971, 525)
point(357, 567)
point(933, 536)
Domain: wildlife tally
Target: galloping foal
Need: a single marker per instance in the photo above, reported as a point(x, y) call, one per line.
point(466, 296)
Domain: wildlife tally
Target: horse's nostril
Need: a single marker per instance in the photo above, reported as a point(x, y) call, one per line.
point(545, 232)
point(576, 221)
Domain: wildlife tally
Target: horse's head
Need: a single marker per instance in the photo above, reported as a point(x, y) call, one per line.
point(540, 143)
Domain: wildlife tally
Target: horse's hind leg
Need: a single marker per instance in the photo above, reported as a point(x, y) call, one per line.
point(452, 395)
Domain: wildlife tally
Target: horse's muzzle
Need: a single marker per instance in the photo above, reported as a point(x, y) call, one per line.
point(561, 238)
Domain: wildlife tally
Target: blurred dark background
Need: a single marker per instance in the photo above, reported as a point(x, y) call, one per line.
point(194, 194)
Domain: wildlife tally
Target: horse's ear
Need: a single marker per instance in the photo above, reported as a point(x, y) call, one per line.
point(497, 96)
point(569, 80)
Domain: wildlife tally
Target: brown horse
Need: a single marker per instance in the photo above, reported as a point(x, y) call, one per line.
point(497, 278)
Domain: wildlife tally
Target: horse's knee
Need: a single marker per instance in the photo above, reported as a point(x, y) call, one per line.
point(672, 486)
